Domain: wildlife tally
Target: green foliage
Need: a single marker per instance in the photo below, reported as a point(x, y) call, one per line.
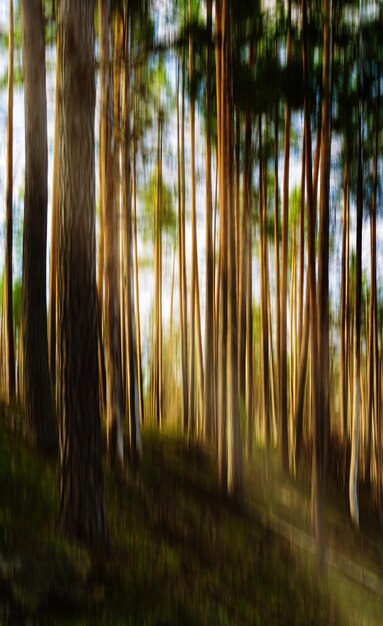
point(167, 219)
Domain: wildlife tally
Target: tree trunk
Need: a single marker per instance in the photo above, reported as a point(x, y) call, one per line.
point(209, 419)
point(344, 308)
point(109, 152)
point(136, 284)
point(54, 237)
point(373, 335)
point(301, 245)
point(355, 440)
point(263, 289)
point(41, 423)
point(234, 455)
point(81, 494)
point(317, 486)
point(324, 238)
point(182, 263)
point(8, 300)
point(131, 347)
point(285, 242)
point(223, 271)
point(195, 322)
point(276, 246)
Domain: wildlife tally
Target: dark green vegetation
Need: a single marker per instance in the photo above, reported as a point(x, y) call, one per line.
point(177, 554)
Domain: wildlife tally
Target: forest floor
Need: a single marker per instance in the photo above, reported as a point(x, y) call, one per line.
point(178, 553)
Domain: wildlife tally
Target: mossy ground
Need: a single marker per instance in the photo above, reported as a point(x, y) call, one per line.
point(178, 553)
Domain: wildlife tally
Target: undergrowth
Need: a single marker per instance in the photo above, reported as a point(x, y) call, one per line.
point(178, 553)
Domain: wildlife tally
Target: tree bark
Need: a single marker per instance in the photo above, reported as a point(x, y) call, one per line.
point(131, 347)
point(285, 241)
point(181, 264)
point(317, 487)
point(209, 386)
point(109, 152)
point(355, 441)
point(81, 493)
point(222, 318)
point(41, 425)
point(52, 329)
point(373, 335)
point(324, 238)
point(8, 282)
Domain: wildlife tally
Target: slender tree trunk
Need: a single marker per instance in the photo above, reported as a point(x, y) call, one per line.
point(195, 320)
point(81, 493)
point(324, 239)
point(372, 339)
point(109, 154)
point(285, 241)
point(344, 307)
point(181, 264)
point(52, 329)
point(244, 250)
point(41, 422)
point(276, 247)
point(157, 312)
point(234, 456)
point(136, 285)
point(183, 251)
point(263, 288)
point(8, 300)
point(355, 441)
point(223, 262)
point(317, 492)
point(209, 418)
point(249, 324)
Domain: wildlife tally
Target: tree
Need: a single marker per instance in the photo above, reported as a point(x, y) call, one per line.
point(285, 242)
point(209, 387)
point(38, 398)
point(81, 489)
point(108, 154)
point(8, 305)
point(195, 315)
point(52, 322)
point(324, 234)
point(229, 460)
point(131, 343)
point(317, 496)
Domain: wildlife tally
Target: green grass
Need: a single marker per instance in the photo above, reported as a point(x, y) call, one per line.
point(178, 554)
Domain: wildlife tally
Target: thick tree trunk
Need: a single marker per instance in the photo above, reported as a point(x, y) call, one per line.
point(41, 422)
point(8, 300)
point(81, 495)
